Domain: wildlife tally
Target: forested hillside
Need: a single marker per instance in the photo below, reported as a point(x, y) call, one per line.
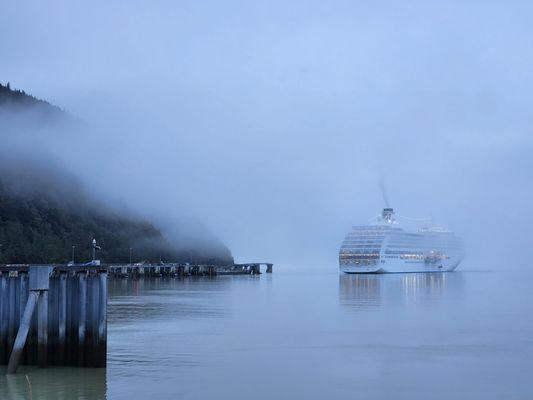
point(43, 214)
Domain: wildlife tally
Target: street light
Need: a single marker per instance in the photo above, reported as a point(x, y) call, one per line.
point(73, 247)
point(95, 247)
point(131, 249)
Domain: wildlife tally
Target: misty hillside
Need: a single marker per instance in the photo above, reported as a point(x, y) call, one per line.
point(44, 212)
point(20, 100)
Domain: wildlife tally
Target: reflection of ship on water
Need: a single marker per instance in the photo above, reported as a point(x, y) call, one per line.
point(360, 291)
point(424, 286)
point(366, 292)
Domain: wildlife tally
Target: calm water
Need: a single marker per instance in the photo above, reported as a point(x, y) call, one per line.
point(314, 336)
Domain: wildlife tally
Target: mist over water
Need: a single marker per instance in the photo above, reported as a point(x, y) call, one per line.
point(273, 123)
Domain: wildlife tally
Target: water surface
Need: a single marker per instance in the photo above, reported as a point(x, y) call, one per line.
point(314, 335)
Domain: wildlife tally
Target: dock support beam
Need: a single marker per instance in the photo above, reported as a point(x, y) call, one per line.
point(22, 334)
point(39, 285)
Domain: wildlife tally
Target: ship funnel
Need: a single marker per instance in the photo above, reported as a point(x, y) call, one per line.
point(388, 214)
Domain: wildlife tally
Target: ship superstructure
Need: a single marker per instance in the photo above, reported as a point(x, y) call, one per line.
point(384, 247)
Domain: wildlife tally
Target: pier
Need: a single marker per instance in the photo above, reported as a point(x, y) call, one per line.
point(56, 315)
point(53, 315)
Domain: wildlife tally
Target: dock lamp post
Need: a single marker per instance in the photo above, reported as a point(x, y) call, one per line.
point(73, 247)
point(131, 249)
point(95, 247)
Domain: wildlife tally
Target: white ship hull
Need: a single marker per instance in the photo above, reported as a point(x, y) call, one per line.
point(401, 266)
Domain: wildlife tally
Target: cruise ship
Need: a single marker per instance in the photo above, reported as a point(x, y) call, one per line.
point(385, 247)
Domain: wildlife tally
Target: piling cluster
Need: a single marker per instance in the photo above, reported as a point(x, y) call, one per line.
point(62, 309)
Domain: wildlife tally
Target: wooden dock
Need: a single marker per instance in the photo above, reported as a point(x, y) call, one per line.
point(69, 324)
point(57, 314)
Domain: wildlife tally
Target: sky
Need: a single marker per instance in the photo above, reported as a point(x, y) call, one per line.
point(273, 122)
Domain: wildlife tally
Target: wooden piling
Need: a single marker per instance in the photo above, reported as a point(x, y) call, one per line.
point(101, 347)
point(42, 329)
point(82, 315)
point(11, 330)
point(3, 318)
point(61, 318)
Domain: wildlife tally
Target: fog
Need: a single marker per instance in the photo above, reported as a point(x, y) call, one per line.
point(274, 122)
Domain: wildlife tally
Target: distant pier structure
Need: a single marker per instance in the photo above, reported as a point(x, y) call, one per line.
point(185, 270)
